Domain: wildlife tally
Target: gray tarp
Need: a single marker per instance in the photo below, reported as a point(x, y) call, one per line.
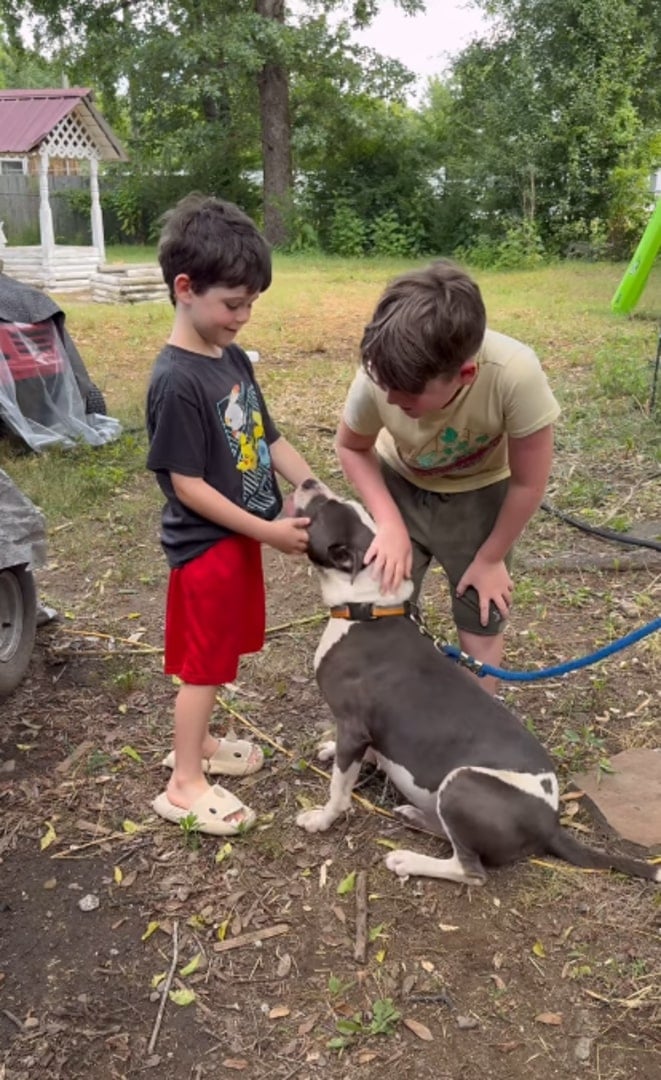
point(47, 408)
point(43, 380)
point(22, 528)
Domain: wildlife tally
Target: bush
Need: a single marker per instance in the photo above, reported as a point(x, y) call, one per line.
point(390, 238)
point(581, 240)
point(520, 249)
point(347, 233)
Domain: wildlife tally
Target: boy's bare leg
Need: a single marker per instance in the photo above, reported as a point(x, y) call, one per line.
point(192, 713)
point(488, 649)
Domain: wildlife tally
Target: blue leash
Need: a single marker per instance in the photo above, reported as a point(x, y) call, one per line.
point(481, 669)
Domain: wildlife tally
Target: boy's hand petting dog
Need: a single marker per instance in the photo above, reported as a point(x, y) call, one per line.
point(289, 535)
point(492, 583)
point(391, 555)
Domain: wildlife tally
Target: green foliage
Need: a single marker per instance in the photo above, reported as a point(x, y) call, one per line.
point(520, 249)
point(190, 828)
point(379, 162)
point(381, 1020)
point(98, 761)
point(347, 234)
point(619, 375)
point(302, 235)
point(336, 986)
point(181, 84)
point(538, 144)
point(583, 239)
point(388, 237)
point(580, 748)
point(551, 115)
point(21, 67)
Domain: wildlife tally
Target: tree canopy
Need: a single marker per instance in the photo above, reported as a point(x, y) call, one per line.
point(539, 137)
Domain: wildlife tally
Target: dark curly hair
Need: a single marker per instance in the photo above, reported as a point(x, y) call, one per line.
point(427, 323)
point(215, 243)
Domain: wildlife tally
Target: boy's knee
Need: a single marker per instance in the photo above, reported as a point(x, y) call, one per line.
point(466, 614)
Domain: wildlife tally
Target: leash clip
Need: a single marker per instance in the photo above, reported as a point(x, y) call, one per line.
point(470, 662)
point(418, 621)
point(442, 645)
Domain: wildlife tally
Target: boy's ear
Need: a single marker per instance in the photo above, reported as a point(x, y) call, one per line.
point(182, 287)
point(467, 372)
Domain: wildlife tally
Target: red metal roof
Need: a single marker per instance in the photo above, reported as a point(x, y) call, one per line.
point(28, 116)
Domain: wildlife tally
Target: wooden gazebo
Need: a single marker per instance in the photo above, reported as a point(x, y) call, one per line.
point(47, 126)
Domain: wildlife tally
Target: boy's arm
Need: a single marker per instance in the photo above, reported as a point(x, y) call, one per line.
point(288, 535)
point(288, 463)
point(530, 460)
point(391, 548)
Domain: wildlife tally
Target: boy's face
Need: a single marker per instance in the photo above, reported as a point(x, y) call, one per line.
point(215, 316)
point(437, 393)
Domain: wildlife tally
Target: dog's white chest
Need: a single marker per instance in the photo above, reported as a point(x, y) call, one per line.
point(334, 632)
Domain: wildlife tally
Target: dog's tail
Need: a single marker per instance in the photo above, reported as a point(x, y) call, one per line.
point(564, 846)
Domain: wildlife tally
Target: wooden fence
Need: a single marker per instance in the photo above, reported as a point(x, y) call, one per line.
point(19, 209)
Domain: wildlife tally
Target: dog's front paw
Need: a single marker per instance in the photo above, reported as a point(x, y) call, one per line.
point(401, 862)
point(317, 820)
point(326, 750)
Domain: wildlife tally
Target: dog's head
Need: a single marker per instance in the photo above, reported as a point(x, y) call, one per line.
point(339, 532)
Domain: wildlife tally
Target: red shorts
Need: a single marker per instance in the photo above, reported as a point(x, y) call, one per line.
point(215, 612)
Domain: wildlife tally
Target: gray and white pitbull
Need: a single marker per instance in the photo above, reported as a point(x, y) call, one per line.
point(470, 770)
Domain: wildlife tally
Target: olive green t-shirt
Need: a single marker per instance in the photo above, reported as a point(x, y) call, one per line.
point(464, 445)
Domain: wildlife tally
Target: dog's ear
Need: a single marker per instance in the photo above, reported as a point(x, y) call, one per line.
point(338, 538)
point(345, 558)
point(350, 556)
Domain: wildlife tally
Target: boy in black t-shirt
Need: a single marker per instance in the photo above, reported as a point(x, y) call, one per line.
point(215, 451)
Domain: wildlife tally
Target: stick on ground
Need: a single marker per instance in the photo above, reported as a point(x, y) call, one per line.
point(360, 949)
point(250, 939)
point(166, 989)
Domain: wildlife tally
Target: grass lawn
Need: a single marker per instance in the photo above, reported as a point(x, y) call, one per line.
point(307, 328)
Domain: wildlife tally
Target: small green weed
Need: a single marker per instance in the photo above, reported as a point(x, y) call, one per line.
point(97, 762)
point(190, 827)
point(581, 748)
point(382, 1019)
point(336, 987)
point(126, 681)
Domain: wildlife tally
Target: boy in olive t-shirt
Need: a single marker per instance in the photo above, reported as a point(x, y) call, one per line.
point(447, 436)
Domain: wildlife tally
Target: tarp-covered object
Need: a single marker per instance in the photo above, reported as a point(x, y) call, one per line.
point(22, 528)
point(43, 381)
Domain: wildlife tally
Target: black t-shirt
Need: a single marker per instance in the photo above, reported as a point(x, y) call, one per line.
point(206, 417)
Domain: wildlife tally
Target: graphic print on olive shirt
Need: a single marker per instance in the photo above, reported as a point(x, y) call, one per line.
point(242, 423)
point(449, 451)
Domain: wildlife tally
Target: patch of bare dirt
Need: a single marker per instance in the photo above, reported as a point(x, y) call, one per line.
point(547, 971)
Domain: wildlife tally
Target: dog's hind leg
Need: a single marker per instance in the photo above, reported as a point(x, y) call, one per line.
point(464, 867)
point(412, 815)
point(341, 786)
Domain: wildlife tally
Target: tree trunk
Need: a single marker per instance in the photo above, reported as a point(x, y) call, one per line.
point(273, 84)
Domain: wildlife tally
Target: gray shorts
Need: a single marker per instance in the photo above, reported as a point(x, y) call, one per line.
point(450, 529)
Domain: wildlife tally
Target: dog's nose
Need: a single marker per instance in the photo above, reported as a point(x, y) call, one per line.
point(309, 483)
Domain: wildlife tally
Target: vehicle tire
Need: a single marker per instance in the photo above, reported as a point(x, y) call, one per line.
point(95, 402)
point(18, 622)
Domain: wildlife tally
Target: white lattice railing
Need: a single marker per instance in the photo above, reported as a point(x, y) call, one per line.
point(69, 139)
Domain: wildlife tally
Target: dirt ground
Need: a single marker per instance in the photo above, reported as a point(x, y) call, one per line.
point(546, 971)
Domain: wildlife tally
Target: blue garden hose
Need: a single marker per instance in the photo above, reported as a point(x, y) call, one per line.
point(481, 669)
